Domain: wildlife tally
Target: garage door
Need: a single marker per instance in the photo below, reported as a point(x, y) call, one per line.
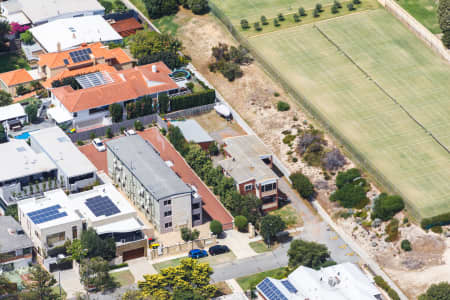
point(133, 254)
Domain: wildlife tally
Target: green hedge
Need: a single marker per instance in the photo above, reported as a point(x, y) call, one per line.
point(385, 286)
point(440, 220)
point(114, 267)
point(192, 100)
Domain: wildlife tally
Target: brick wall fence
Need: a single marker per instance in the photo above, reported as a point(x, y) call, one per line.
point(417, 28)
point(145, 120)
point(183, 247)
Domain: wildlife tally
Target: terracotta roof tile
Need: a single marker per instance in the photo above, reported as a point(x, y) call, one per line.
point(127, 26)
point(68, 73)
point(55, 60)
point(128, 84)
point(16, 77)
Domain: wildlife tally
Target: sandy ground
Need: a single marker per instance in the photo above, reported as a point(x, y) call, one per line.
point(253, 97)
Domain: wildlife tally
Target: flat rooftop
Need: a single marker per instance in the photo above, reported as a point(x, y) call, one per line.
point(192, 131)
point(12, 111)
point(58, 146)
point(246, 162)
point(143, 161)
point(18, 160)
point(103, 207)
point(12, 236)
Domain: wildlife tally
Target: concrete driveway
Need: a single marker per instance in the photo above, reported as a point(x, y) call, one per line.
point(140, 267)
point(238, 243)
point(70, 282)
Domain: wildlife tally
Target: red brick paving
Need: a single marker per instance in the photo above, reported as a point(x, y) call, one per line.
point(210, 203)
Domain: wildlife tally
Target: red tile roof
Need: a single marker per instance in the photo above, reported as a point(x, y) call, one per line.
point(128, 84)
point(15, 77)
point(211, 204)
point(127, 27)
point(69, 73)
point(55, 60)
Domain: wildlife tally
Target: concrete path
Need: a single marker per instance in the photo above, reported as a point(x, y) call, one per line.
point(70, 282)
point(238, 243)
point(140, 267)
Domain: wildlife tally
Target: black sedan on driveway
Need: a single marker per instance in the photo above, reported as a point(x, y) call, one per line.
point(218, 249)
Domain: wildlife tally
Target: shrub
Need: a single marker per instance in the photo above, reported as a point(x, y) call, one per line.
point(80, 143)
point(392, 230)
point(276, 94)
point(442, 220)
point(295, 159)
point(383, 284)
point(356, 1)
point(215, 227)
point(350, 7)
point(264, 20)
point(319, 7)
point(289, 138)
point(190, 86)
point(302, 184)
point(333, 160)
point(437, 229)
point(109, 133)
point(283, 106)
point(241, 223)
point(350, 196)
point(192, 100)
point(406, 245)
point(275, 23)
point(337, 4)
point(281, 17)
point(116, 112)
point(296, 18)
point(138, 125)
point(118, 266)
point(301, 12)
point(92, 135)
point(334, 9)
point(257, 26)
point(351, 176)
point(387, 206)
point(316, 13)
point(27, 38)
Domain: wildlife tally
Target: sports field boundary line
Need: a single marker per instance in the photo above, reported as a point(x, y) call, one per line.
point(380, 87)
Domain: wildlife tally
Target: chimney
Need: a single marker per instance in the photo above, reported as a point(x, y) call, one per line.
point(74, 36)
point(94, 62)
point(154, 69)
point(58, 46)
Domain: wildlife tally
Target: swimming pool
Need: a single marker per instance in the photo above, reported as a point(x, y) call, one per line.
point(23, 136)
point(181, 73)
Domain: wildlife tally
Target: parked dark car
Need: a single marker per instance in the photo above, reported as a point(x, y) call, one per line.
point(218, 249)
point(197, 253)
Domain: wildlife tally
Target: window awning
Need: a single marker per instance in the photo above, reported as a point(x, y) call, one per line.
point(126, 225)
point(59, 115)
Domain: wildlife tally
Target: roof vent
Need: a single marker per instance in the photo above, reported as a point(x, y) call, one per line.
point(11, 231)
point(154, 69)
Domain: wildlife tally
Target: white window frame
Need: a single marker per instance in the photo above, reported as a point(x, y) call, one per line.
point(248, 187)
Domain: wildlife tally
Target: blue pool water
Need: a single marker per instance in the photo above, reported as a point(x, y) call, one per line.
point(23, 136)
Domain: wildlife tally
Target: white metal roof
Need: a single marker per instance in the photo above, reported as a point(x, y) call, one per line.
point(72, 32)
point(43, 10)
point(18, 17)
point(58, 146)
point(345, 281)
point(17, 160)
point(59, 114)
point(11, 111)
point(192, 131)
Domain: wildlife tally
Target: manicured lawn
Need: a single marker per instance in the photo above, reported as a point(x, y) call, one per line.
point(124, 278)
point(13, 61)
point(168, 263)
point(289, 216)
point(425, 11)
point(335, 64)
point(260, 247)
point(212, 260)
point(253, 9)
point(248, 282)
point(309, 18)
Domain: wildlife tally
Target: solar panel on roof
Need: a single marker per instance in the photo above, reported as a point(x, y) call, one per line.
point(93, 79)
point(80, 55)
point(46, 214)
point(102, 206)
point(270, 291)
point(288, 285)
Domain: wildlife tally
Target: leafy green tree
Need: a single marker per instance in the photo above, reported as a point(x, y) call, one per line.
point(276, 23)
point(244, 24)
point(319, 7)
point(199, 7)
point(5, 28)
point(160, 8)
point(350, 6)
point(163, 101)
point(283, 106)
point(7, 288)
point(116, 112)
point(134, 295)
point(40, 285)
point(213, 149)
point(356, 1)
point(190, 278)
point(138, 125)
point(177, 139)
point(350, 196)
point(387, 206)
point(3, 136)
point(94, 273)
point(107, 5)
point(308, 254)
point(5, 98)
point(406, 245)
point(302, 184)
point(12, 211)
point(96, 246)
point(446, 36)
point(257, 26)
point(216, 227)
point(109, 133)
point(189, 235)
point(119, 6)
point(32, 110)
point(270, 226)
point(264, 20)
point(27, 38)
point(76, 250)
point(301, 12)
point(241, 223)
point(443, 12)
point(440, 291)
point(281, 17)
point(296, 18)
point(171, 59)
point(334, 9)
point(146, 42)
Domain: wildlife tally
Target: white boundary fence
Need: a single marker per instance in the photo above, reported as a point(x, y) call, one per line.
point(417, 28)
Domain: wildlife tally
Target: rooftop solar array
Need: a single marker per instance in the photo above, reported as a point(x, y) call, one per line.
point(93, 79)
point(80, 55)
point(270, 291)
point(102, 206)
point(288, 285)
point(46, 214)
